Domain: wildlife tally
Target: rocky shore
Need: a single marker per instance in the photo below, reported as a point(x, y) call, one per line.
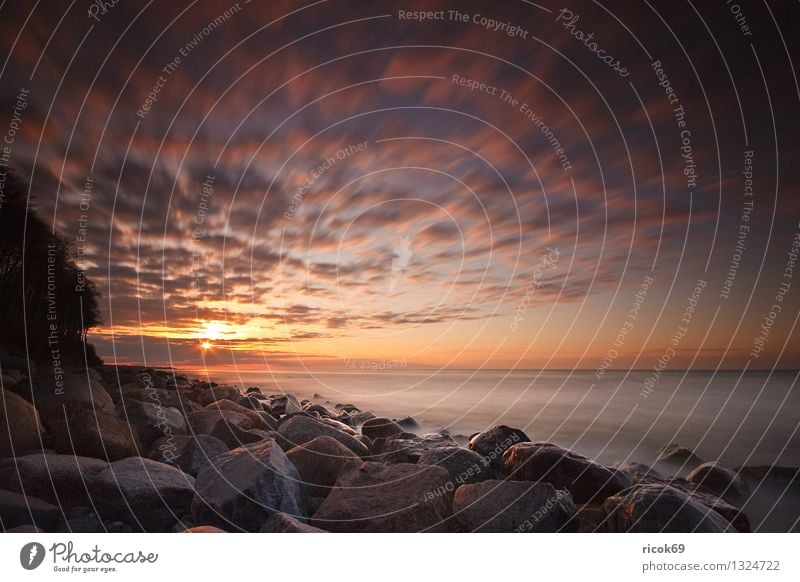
point(125, 449)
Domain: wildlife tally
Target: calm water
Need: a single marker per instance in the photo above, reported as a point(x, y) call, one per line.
point(738, 419)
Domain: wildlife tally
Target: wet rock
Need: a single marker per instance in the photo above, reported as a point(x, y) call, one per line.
point(188, 453)
point(320, 462)
point(584, 479)
point(409, 448)
point(321, 410)
point(243, 487)
point(652, 508)
point(491, 444)
point(387, 498)
point(721, 481)
point(260, 420)
point(408, 424)
point(285, 404)
point(204, 421)
point(380, 428)
point(513, 506)
point(301, 429)
point(143, 493)
point(216, 393)
point(58, 479)
point(463, 466)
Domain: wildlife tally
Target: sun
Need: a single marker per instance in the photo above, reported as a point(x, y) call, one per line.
point(206, 345)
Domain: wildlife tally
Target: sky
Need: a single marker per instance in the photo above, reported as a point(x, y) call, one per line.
point(348, 185)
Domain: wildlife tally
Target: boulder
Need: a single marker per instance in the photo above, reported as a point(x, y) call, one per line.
point(388, 498)
point(20, 429)
point(721, 481)
point(234, 437)
point(284, 404)
point(143, 493)
point(281, 523)
point(584, 479)
point(513, 506)
point(356, 419)
point(319, 409)
point(216, 393)
point(463, 465)
point(153, 421)
point(252, 403)
point(299, 430)
point(98, 435)
point(491, 444)
point(675, 460)
point(197, 452)
point(380, 428)
point(59, 479)
point(80, 391)
point(409, 448)
point(408, 423)
point(655, 508)
point(259, 419)
point(204, 421)
point(243, 487)
point(19, 510)
point(320, 462)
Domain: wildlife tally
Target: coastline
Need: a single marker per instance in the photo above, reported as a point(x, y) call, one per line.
point(154, 450)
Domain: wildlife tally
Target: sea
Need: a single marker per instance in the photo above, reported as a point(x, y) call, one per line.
point(734, 417)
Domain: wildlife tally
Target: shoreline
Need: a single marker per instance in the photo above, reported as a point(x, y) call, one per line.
point(174, 444)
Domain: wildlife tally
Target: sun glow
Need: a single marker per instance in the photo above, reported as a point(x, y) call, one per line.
point(206, 345)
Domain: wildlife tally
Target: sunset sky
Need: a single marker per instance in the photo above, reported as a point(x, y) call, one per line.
point(321, 185)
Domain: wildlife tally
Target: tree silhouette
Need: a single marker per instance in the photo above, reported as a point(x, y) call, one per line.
point(43, 293)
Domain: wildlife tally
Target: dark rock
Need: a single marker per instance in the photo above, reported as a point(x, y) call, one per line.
point(300, 429)
point(408, 423)
point(233, 436)
point(252, 403)
point(204, 421)
point(285, 404)
point(721, 481)
point(215, 393)
point(188, 453)
point(143, 493)
point(153, 421)
point(380, 428)
point(513, 506)
point(652, 508)
point(260, 419)
point(244, 486)
point(321, 410)
point(282, 523)
point(675, 460)
point(18, 510)
point(463, 465)
point(584, 479)
point(320, 462)
point(734, 515)
point(59, 479)
point(492, 443)
point(20, 429)
point(349, 408)
point(409, 448)
point(80, 391)
point(387, 498)
point(98, 435)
